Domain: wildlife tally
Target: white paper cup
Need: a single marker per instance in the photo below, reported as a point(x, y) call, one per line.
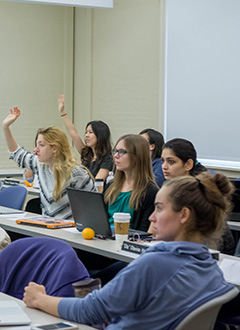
point(99, 183)
point(121, 224)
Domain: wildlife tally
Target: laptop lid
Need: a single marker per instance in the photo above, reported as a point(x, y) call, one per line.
point(12, 314)
point(88, 210)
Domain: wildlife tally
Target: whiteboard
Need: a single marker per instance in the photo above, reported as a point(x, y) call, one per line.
point(202, 89)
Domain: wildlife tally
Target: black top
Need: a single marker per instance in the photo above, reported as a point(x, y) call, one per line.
point(106, 163)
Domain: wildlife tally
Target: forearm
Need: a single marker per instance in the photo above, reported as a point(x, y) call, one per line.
point(78, 143)
point(11, 143)
point(49, 304)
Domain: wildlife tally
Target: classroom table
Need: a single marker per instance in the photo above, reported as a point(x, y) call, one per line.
point(106, 248)
point(36, 316)
point(11, 172)
point(31, 190)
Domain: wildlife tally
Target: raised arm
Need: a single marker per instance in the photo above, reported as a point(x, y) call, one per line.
point(11, 118)
point(78, 143)
point(35, 297)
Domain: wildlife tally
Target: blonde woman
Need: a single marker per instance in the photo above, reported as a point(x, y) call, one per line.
point(54, 165)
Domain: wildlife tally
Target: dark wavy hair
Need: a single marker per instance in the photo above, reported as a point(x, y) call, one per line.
point(154, 137)
point(103, 146)
point(185, 150)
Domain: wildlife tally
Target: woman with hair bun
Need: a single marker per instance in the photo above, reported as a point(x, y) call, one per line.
point(170, 279)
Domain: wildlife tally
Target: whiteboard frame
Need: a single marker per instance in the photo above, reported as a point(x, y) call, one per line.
point(71, 3)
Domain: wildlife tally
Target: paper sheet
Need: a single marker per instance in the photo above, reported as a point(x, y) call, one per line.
point(231, 270)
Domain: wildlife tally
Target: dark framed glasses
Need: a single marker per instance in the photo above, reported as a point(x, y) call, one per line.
point(119, 152)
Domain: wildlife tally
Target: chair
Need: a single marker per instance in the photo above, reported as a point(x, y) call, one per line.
point(47, 261)
point(13, 197)
point(204, 316)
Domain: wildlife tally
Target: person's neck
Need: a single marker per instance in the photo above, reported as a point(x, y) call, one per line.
point(128, 183)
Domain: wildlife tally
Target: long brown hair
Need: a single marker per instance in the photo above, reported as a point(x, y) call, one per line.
point(138, 150)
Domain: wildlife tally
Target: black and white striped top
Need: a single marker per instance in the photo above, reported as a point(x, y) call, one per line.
point(80, 179)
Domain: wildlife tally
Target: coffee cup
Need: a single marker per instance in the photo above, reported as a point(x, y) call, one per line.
point(99, 183)
point(121, 224)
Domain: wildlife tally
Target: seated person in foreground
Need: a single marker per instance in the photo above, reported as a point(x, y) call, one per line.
point(53, 164)
point(133, 189)
point(158, 289)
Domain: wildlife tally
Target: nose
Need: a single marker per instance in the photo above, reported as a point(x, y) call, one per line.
point(152, 217)
point(164, 165)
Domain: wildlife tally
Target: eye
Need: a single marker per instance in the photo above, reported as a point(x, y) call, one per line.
point(171, 161)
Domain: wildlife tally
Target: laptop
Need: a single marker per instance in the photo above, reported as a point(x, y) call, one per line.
point(12, 314)
point(235, 214)
point(89, 210)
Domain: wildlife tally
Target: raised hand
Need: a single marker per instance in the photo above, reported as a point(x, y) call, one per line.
point(61, 104)
point(14, 114)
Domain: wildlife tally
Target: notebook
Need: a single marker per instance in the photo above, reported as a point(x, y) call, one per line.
point(12, 314)
point(88, 210)
point(46, 222)
point(7, 210)
point(235, 214)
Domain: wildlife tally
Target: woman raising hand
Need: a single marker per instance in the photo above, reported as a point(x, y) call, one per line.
point(96, 153)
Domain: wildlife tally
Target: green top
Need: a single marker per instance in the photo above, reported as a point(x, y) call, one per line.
point(121, 204)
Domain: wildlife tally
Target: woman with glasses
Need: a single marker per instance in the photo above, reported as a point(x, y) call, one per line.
point(52, 162)
point(96, 153)
point(133, 188)
point(155, 141)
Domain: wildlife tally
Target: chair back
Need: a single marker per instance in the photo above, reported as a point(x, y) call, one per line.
point(204, 317)
point(47, 261)
point(13, 197)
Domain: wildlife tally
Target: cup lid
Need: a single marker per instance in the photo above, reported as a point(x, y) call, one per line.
point(121, 215)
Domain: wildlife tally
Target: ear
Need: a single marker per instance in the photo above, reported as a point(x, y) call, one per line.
point(152, 146)
point(185, 214)
point(189, 164)
point(55, 149)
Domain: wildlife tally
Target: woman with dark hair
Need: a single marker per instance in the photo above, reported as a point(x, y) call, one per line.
point(96, 153)
point(179, 158)
point(170, 279)
point(155, 141)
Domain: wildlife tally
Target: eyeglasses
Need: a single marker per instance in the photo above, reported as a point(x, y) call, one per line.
point(120, 152)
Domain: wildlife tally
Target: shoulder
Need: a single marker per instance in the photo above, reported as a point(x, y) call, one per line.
point(107, 162)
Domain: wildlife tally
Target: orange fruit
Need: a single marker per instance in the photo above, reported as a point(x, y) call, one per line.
point(88, 233)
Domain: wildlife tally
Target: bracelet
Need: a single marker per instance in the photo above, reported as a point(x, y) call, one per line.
point(64, 115)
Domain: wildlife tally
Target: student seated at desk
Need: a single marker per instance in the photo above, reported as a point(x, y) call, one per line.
point(133, 188)
point(53, 164)
point(155, 141)
point(96, 153)
point(179, 157)
point(168, 280)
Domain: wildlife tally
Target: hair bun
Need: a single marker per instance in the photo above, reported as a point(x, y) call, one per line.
point(223, 184)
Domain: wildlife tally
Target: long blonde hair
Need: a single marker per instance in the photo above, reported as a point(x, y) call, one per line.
point(138, 151)
point(63, 158)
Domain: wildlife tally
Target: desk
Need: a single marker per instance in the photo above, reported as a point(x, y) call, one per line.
point(31, 190)
point(11, 172)
point(234, 225)
point(106, 248)
point(38, 317)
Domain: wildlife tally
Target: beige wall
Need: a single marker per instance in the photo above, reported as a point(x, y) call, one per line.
point(117, 66)
point(36, 65)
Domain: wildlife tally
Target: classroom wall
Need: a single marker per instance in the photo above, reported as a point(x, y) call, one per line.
point(36, 65)
point(117, 66)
